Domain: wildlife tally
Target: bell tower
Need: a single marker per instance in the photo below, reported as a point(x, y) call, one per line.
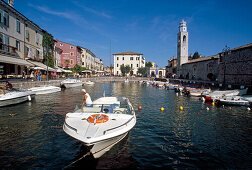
point(182, 49)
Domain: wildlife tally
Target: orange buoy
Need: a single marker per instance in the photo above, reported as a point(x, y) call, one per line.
point(98, 118)
point(139, 107)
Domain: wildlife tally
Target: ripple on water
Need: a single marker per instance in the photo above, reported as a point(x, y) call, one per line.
point(192, 138)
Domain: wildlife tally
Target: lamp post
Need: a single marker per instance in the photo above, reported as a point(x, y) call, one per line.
point(47, 61)
point(225, 52)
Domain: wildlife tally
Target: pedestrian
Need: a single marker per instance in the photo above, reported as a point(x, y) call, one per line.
point(23, 74)
point(39, 76)
point(54, 75)
point(87, 99)
point(32, 76)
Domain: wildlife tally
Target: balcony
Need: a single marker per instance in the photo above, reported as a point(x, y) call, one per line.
point(7, 50)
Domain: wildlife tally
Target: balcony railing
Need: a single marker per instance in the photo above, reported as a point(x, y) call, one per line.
point(7, 49)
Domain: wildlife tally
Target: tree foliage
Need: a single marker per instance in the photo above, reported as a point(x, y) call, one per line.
point(196, 55)
point(48, 46)
point(125, 69)
point(143, 71)
point(78, 69)
point(148, 64)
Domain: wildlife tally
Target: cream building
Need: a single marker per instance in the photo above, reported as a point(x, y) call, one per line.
point(20, 39)
point(133, 59)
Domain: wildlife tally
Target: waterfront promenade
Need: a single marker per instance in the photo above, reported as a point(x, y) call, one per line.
point(27, 83)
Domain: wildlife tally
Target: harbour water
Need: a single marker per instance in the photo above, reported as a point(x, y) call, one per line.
point(193, 138)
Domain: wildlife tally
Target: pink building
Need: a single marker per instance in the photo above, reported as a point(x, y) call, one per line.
point(70, 56)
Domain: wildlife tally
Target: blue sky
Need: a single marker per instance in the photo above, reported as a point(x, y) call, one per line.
point(145, 26)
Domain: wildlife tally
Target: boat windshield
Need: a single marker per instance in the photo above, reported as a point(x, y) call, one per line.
point(105, 108)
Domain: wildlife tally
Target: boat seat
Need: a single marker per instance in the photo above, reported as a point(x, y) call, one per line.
point(119, 110)
point(92, 109)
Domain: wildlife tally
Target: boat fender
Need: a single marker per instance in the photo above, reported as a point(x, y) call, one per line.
point(29, 97)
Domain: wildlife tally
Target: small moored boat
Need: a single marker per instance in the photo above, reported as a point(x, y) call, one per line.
point(103, 125)
point(71, 83)
point(45, 89)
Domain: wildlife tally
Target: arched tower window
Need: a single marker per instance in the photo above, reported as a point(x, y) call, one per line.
point(184, 39)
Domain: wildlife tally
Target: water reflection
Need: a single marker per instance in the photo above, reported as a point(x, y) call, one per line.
point(192, 138)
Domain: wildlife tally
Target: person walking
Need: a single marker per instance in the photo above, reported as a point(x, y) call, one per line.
point(32, 76)
point(39, 76)
point(23, 74)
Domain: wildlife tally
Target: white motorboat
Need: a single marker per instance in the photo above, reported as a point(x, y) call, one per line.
point(71, 83)
point(103, 125)
point(45, 89)
point(234, 100)
point(216, 95)
point(15, 97)
point(88, 83)
point(126, 81)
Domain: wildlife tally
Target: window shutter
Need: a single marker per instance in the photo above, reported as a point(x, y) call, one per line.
point(2, 16)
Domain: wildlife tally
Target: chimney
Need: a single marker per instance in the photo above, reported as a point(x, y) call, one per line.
point(10, 2)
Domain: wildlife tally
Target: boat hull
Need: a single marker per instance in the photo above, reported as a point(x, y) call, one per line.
point(14, 99)
point(45, 90)
point(102, 147)
point(69, 85)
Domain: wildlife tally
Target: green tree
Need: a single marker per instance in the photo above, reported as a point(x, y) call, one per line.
point(48, 46)
point(125, 69)
point(196, 55)
point(148, 64)
point(142, 71)
point(67, 62)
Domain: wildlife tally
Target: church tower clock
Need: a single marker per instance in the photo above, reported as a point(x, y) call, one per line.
point(182, 49)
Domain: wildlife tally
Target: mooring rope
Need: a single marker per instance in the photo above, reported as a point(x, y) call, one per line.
point(77, 160)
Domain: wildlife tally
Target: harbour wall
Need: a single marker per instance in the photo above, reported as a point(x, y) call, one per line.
point(25, 84)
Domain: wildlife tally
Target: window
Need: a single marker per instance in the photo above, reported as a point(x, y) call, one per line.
point(6, 42)
point(18, 45)
point(117, 58)
point(37, 52)
point(71, 47)
point(18, 26)
point(117, 65)
point(27, 35)
point(26, 49)
point(4, 18)
point(61, 44)
point(137, 65)
point(71, 61)
point(36, 39)
point(71, 53)
point(83, 63)
point(131, 65)
point(83, 56)
point(184, 39)
point(123, 58)
point(1, 41)
point(131, 58)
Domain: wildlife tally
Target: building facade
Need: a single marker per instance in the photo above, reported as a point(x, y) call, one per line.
point(171, 68)
point(70, 56)
point(20, 39)
point(133, 59)
point(88, 59)
point(235, 66)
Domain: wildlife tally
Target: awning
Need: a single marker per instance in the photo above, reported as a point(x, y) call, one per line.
point(39, 64)
point(12, 60)
point(86, 71)
point(67, 71)
point(37, 68)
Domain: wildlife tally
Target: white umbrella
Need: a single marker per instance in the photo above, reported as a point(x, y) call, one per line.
point(37, 68)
